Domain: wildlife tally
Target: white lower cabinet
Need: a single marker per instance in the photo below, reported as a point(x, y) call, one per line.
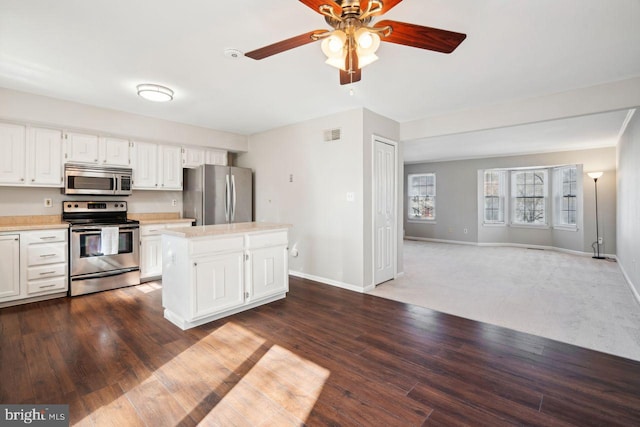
point(212, 272)
point(9, 267)
point(217, 283)
point(151, 248)
point(33, 265)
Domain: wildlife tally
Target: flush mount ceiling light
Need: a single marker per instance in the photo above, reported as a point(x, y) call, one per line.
point(154, 92)
point(353, 42)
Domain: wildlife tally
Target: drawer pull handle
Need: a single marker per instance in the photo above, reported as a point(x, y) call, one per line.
point(47, 272)
point(46, 286)
point(47, 255)
point(47, 237)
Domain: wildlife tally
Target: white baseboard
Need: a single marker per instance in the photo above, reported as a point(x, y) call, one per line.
point(428, 239)
point(331, 282)
point(509, 245)
point(634, 291)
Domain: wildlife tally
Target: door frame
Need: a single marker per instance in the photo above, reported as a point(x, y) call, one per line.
point(379, 139)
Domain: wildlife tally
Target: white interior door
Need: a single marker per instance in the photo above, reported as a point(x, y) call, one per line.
point(384, 223)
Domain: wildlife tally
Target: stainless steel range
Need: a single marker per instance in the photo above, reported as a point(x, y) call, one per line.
point(103, 246)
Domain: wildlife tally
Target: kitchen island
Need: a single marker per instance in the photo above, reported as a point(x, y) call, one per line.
point(213, 271)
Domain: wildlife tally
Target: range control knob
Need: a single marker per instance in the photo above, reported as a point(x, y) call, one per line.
point(116, 205)
point(75, 206)
point(69, 205)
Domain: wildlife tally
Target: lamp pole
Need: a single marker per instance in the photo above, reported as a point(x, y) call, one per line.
point(595, 176)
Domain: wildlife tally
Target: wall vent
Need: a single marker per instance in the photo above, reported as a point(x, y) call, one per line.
point(331, 135)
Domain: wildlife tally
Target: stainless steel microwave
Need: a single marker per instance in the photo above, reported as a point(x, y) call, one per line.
point(96, 180)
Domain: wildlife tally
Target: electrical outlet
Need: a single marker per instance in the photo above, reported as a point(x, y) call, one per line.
point(351, 196)
point(174, 202)
point(600, 240)
point(48, 203)
point(466, 230)
point(290, 177)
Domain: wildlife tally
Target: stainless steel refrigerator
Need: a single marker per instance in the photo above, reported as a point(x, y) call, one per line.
point(217, 194)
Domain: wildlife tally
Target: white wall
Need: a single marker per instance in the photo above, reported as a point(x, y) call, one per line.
point(18, 201)
point(628, 155)
point(327, 229)
point(39, 110)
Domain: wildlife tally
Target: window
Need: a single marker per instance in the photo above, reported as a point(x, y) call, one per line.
point(494, 188)
point(529, 196)
point(566, 195)
point(421, 190)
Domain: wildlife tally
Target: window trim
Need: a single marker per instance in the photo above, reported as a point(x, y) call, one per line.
point(557, 197)
point(513, 197)
point(503, 181)
point(434, 195)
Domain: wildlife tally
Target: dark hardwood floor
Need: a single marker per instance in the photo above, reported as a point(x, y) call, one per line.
point(323, 356)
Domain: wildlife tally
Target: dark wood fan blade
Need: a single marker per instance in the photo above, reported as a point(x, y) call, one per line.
point(386, 5)
point(422, 37)
point(315, 5)
point(348, 78)
point(283, 45)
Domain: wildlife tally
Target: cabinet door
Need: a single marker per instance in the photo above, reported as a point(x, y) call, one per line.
point(171, 163)
point(145, 165)
point(45, 157)
point(192, 157)
point(216, 157)
point(217, 284)
point(114, 152)
point(9, 267)
point(267, 274)
point(12, 160)
point(150, 256)
point(82, 148)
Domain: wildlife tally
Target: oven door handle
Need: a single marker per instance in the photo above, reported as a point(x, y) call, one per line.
point(105, 274)
point(100, 227)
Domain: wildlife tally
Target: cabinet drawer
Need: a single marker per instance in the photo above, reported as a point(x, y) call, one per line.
point(47, 285)
point(151, 230)
point(267, 239)
point(46, 254)
point(46, 271)
point(226, 244)
point(45, 236)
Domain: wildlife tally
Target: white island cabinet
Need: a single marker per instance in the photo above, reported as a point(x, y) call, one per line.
point(213, 271)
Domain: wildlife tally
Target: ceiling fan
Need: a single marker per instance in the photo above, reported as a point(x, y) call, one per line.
point(353, 42)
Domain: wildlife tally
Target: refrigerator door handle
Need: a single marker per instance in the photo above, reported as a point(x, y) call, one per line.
point(227, 190)
point(233, 192)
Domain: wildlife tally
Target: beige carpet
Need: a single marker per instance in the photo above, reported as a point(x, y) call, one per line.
point(569, 298)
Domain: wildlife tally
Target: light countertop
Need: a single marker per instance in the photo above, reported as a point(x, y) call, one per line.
point(224, 229)
point(31, 222)
point(158, 218)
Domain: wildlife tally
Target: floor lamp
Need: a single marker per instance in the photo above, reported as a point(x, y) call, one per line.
point(595, 176)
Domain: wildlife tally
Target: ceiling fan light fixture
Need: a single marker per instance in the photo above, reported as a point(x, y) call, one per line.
point(155, 93)
point(333, 48)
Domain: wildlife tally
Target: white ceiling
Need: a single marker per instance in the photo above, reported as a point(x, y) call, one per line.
point(95, 52)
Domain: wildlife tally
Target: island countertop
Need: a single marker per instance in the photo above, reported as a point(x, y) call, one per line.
point(223, 229)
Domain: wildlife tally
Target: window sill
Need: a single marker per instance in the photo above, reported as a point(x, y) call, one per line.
point(422, 221)
point(566, 228)
point(494, 224)
point(535, 227)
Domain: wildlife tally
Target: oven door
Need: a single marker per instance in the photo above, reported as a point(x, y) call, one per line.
point(86, 245)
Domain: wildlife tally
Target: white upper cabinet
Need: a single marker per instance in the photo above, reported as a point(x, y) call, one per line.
point(114, 152)
point(81, 148)
point(44, 157)
point(86, 148)
point(192, 157)
point(145, 165)
point(12, 160)
point(216, 157)
point(171, 167)
point(156, 167)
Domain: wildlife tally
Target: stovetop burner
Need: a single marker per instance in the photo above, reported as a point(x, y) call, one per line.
point(96, 213)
